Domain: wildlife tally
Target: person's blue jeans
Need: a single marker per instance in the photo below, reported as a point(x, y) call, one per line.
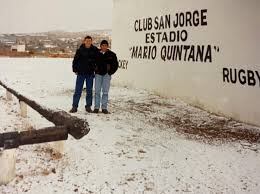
point(78, 89)
point(102, 82)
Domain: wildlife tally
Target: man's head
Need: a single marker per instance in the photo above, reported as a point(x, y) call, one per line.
point(104, 45)
point(87, 41)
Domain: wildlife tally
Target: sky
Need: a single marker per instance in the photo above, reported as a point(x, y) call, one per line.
point(27, 16)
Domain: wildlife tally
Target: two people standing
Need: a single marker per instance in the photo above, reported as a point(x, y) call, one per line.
point(90, 62)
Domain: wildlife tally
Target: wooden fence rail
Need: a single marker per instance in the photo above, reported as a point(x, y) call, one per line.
point(64, 124)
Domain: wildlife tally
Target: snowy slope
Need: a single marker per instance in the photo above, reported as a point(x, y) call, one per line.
point(139, 148)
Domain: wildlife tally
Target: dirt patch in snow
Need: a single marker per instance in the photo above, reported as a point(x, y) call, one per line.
point(185, 119)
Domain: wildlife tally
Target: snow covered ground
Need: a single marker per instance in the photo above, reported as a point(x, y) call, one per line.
point(148, 144)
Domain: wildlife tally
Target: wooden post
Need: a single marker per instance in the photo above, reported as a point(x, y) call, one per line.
point(9, 95)
point(23, 109)
point(58, 147)
point(7, 159)
point(7, 166)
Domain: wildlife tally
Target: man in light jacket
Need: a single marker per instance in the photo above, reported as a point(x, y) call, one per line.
point(106, 65)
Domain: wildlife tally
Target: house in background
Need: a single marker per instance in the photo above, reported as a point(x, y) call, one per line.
point(18, 47)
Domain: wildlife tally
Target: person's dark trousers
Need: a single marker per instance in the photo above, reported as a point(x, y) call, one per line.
point(78, 89)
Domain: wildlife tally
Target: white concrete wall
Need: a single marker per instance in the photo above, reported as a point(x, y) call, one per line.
point(232, 30)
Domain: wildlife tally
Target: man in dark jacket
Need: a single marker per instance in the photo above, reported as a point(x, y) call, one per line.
point(83, 65)
point(107, 65)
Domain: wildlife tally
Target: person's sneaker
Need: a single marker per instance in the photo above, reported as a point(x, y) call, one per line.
point(105, 111)
point(95, 110)
point(88, 109)
point(73, 110)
